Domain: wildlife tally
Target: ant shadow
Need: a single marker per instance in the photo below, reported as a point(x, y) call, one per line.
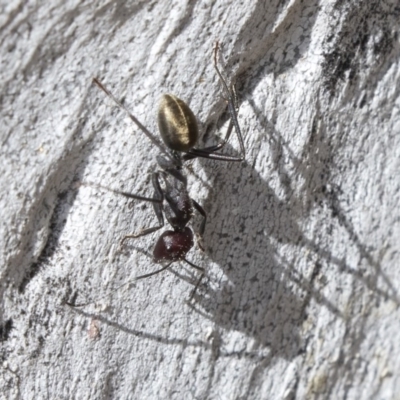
point(263, 294)
point(272, 312)
point(255, 297)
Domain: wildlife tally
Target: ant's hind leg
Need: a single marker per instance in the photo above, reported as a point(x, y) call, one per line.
point(229, 92)
point(206, 151)
point(157, 205)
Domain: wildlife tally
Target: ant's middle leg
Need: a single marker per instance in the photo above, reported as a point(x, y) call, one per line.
point(157, 205)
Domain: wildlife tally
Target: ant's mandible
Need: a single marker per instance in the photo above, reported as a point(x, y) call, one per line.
point(179, 132)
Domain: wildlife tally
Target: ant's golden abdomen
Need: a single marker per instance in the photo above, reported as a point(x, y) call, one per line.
point(177, 124)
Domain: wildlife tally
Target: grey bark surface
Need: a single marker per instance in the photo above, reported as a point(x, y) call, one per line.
point(301, 295)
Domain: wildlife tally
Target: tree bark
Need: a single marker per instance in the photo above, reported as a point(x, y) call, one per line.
point(301, 294)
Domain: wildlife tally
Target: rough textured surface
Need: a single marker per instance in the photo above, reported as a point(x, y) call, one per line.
point(301, 298)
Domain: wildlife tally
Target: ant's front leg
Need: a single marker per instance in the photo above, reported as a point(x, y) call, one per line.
point(157, 204)
point(202, 273)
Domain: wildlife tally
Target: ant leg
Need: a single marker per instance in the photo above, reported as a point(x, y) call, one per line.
point(211, 149)
point(231, 97)
point(200, 279)
point(157, 205)
point(200, 234)
point(133, 118)
point(157, 202)
point(219, 146)
point(126, 194)
point(143, 232)
point(70, 304)
point(153, 273)
point(208, 150)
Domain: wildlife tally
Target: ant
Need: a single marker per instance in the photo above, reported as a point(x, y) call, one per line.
point(179, 132)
